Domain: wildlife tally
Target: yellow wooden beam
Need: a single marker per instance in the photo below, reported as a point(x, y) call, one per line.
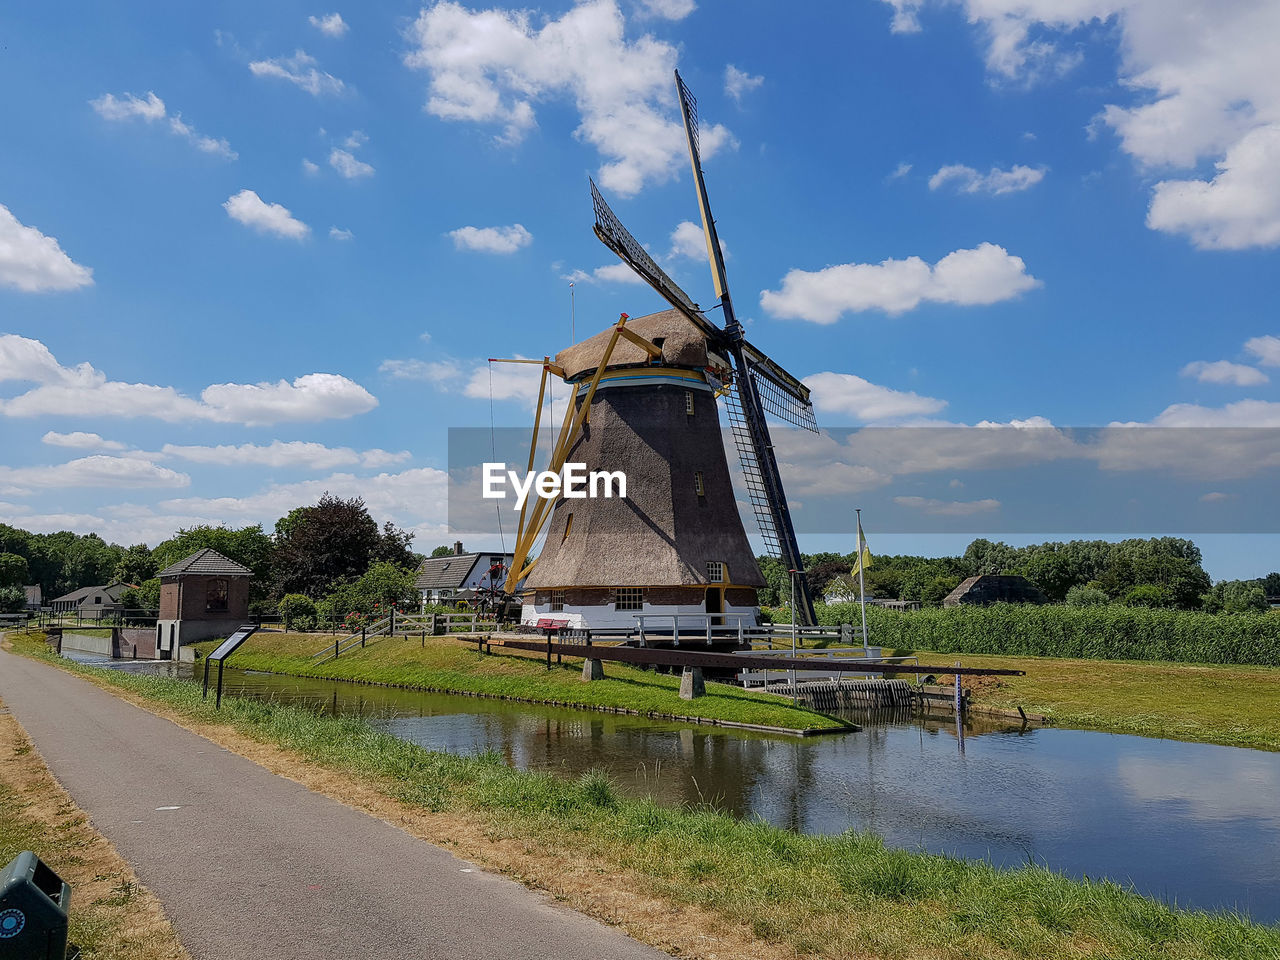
point(652, 349)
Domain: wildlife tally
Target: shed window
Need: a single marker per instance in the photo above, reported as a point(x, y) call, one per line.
point(216, 599)
point(715, 571)
point(688, 402)
point(698, 487)
point(628, 598)
point(557, 601)
point(97, 599)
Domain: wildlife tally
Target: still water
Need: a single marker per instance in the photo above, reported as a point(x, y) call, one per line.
point(1189, 823)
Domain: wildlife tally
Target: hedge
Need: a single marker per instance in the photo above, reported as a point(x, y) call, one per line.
point(1094, 633)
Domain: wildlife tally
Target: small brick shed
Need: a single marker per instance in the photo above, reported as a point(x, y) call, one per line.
point(206, 595)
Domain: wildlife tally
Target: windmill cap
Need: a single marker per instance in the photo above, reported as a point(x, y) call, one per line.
point(682, 345)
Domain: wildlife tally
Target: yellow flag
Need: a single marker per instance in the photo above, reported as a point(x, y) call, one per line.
point(864, 561)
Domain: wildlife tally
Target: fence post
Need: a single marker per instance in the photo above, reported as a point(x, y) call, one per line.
point(708, 629)
point(362, 638)
point(336, 640)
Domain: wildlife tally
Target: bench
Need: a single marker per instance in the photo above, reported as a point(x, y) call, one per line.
point(549, 626)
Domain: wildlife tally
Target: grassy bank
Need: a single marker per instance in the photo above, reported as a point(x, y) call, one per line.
point(1237, 706)
point(451, 665)
point(112, 915)
point(703, 883)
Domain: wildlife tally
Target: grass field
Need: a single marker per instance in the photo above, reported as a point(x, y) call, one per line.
point(452, 665)
point(702, 882)
point(1232, 705)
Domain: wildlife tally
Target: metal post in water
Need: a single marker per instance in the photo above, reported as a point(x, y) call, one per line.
point(959, 695)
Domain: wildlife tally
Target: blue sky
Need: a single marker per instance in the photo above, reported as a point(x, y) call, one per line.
point(297, 231)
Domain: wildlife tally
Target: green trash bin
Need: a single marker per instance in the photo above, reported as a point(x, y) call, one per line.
point(33, 910)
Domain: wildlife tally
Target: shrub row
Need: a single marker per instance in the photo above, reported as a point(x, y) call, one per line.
point(1095, 633)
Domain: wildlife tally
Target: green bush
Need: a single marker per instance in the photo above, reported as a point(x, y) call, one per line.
point(1110, 632)
point(1081, 596)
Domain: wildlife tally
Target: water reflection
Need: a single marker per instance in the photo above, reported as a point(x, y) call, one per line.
point(1193, 823)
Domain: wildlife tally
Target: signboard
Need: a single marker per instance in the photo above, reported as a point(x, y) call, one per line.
point(229, 645)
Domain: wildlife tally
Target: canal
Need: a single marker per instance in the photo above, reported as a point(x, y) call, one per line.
point(1188, 823)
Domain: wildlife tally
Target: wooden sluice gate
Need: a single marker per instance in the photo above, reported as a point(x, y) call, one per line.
point(893, 695)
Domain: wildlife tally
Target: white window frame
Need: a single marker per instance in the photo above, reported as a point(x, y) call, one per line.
point(555, 603)
point(716, 571)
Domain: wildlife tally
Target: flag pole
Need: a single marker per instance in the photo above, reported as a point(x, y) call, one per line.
point(862, 590)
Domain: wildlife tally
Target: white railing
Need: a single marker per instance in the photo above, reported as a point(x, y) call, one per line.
point(866, 654)
point(703, 623)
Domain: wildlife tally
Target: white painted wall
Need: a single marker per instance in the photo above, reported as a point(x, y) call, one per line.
point(605, 617)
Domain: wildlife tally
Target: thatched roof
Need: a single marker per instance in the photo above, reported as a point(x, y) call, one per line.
point(995, 588)
point(683, 345)
point(663, 533)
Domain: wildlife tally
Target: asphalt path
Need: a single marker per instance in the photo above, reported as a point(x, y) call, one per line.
point(249, 864)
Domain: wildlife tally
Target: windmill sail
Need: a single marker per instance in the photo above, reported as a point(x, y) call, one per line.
point(761, 385)
point(618, 239)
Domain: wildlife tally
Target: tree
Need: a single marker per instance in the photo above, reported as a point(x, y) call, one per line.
point(936, 590)
point(135, 565)
point(1148, 595)
point(1271, 584)
point(1236, 596)
point(444, 550)
point(14, 571)
point(145, 596)
point(1084, 596)
point(12, 599)
point(318, 548)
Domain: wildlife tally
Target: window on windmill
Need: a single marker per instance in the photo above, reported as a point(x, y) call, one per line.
point(715, 571)
point(557, 601)
point(628, 598)
point(216, 598)
point(698, 487)
point(658, 342)
point(688, 402)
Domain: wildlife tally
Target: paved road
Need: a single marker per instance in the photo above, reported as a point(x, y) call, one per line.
point(252, 865)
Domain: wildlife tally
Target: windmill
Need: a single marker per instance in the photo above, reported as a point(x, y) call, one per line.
point(759, 385)
point(664, 360)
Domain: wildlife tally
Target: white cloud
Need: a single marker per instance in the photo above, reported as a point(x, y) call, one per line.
point(669, 9)
point(331, 24)
point(492, 66)
point(1204, 86)
point(309, 167)
point(905, 19)
point(995, 181)
point(95, 471)
point(436, 371)
point(301, 71)
point(739, 82)
point(688, 240)
point(1238, 208)
point(900, 171)
point(129, 107)
point(316, 396)
point(79, 440)
point(251, 210)
point(1242, 413)
point(1226, 372)
point(609, 273)
point(985, 274)
point(1266, 349)
point(1216, 496)
point(348, 166)
point(86, 392)
point(492, 239)
point(948, 508)
point(34, 263)
point(337, 233)
point(853, 396)
point(290, 454)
